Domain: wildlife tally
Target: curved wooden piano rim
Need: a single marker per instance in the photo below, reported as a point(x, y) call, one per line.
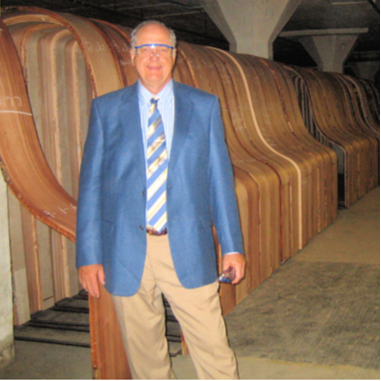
point(105, 77)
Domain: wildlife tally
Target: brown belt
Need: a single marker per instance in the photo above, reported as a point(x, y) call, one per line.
point(152, 231)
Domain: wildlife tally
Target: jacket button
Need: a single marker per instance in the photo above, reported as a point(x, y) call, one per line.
point(144, 193)
point(141, 227)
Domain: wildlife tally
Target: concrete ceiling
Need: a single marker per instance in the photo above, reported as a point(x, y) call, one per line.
point(334, 14)
point(186, 17)
point(192, 24)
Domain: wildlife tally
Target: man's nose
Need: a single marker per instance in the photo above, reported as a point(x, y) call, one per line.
point(154, 54)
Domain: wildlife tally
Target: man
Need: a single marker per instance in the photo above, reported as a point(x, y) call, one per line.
point(155, 176)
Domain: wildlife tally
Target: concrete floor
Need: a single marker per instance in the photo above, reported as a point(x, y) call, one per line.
point(350, 244)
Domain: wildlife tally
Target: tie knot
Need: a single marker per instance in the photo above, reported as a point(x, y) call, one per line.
point(154, 101)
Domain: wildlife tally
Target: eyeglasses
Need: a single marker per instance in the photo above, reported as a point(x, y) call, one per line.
point(161, 50)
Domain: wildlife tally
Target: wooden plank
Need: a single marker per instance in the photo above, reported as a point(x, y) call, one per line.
point(361, 107)
point(326, 160)
point(373, 96)
point(30, 172)
point(352, 149)
point(52, 143)
point(358, 125)
point(207, 77)
point(312, 124)
point(263, 186)
point(32, 260)
point(119, 39)
point(253, 142)
point(38, 289)
point(97, 56)
point(77, 106)
point(273, 126)
point(365, 146)
point(21, 306)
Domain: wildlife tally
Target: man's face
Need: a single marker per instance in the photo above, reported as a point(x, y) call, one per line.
point(154, 70)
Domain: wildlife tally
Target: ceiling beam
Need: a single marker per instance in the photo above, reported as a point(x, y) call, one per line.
point(176, 14)
point(322, 32)
point(375, 4)
point(171, 3)
point(107, 13)
point(368, 55)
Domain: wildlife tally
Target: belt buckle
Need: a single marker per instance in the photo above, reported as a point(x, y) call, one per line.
point(151, 231)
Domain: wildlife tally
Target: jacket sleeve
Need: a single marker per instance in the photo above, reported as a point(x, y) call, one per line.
point(89, 237)
point(222, 195)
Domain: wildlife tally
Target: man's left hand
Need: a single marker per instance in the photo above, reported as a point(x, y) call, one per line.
point(237, 261)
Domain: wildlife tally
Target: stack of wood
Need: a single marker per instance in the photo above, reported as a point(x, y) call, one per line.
point(287, 159)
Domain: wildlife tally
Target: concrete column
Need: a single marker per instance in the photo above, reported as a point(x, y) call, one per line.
point(6, 306)
point(329, 48)
point(365, 69)
point(251, 26)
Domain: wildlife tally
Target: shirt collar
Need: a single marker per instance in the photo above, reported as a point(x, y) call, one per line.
point(165, 95)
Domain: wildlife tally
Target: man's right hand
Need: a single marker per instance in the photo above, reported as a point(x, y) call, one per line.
point(89, 276)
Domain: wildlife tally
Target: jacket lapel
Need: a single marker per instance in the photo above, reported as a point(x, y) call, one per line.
point(129, 108)
point(183, 114)
point(130, 120)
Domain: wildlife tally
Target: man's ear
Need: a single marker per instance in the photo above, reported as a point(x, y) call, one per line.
point(132, 54)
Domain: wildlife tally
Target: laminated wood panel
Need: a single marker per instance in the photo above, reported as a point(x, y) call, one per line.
point(325, 158)
point(40, 289)
point(51, 140)
point(266, 216)
point(228, 294)
point(207, 77)
point(355, 94)
point(373, 95)
point(78, 103)
point(252, 140)
point(354, 160)
point(37, 45)
point(314, 123)
point(272, 127)
point(120, 41)
point(98, 57)
point(354, 119)
point(360, 100)
point(30, 171)
point(32, 260)
point(304, 102)
point(41, 43)
point(209, 74)
point(364, 145)
point(318, 124)
point(20, 280)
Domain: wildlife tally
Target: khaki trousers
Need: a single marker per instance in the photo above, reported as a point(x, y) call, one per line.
point(142, 321)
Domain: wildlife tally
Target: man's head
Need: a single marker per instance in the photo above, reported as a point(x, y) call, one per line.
point(153, 53)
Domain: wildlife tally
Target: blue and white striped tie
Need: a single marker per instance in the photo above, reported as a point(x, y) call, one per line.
point(157, 169)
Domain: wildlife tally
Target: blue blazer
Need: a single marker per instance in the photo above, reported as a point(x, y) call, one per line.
point(112, 192)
